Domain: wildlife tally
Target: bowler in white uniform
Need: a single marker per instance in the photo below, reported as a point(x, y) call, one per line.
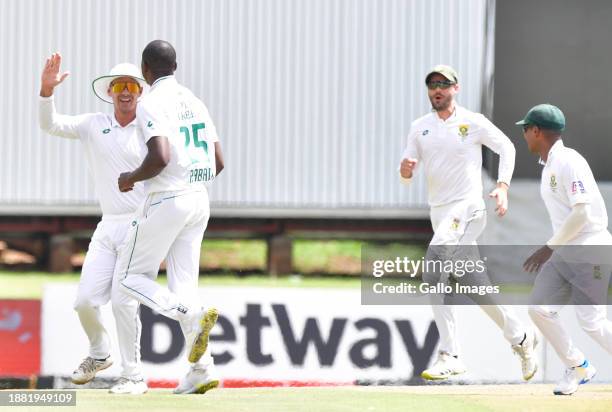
point(447, 144)
point(572, 267)
point(111, 144)
point(183, 157)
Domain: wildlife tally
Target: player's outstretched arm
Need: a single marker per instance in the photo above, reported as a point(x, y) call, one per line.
point(51, 76)
point(219, 162)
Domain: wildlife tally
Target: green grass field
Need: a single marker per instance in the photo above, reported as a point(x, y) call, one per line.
point(233, 262)
point(29, 285)
point(370, 399)
point(309, 256)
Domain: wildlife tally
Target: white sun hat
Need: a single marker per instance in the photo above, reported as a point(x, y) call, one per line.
point(101, 84)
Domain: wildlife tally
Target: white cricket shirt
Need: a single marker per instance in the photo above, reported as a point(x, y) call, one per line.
point(109, 148)
point(450, 153)
point(566, 181)
point(172, 110)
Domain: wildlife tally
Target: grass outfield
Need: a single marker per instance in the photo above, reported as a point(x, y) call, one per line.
point(413, 398)
point(29, 285)
point(235, 256)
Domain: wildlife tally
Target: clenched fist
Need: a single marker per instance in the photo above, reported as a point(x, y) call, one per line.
point(407, 167)
point(125, 182)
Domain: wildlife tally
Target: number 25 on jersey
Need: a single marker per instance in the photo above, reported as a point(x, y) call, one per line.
point(199, 154)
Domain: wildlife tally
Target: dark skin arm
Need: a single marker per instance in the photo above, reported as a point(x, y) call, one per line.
point(220, 164)
point(157, 158)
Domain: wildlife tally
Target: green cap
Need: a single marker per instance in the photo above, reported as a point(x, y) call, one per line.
point(545, 116)
point(445, 71)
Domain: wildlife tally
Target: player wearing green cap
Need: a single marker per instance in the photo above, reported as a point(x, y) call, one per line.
point(578, 215)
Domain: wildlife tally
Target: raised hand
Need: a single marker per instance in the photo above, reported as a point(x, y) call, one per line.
point(51, 76)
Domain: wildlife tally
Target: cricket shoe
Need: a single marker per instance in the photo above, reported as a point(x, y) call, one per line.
point(526, 351)
point(197, 338)
point(574, 377)
point(198, 381)
point(445, 367)
point(129, 386)
point(88, 368)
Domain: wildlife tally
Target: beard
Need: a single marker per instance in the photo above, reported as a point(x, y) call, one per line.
point(442, 104)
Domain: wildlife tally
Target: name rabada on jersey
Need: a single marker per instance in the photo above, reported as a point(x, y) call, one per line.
point(201, 175)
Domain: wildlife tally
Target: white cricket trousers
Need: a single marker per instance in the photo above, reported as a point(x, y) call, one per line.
point(170, 225)
point(461, 223)
point(97, 285)
point(570, 283)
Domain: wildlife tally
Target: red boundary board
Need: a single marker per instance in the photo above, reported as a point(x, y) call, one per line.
point(19, 337)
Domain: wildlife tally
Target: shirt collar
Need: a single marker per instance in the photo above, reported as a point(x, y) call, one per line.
point(453, 115)
point(115, 123)
point(551, 153)
point(162, 80)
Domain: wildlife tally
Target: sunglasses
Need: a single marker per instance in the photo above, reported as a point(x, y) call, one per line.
point(120, 86)
point(442, 84)
point(526, 127)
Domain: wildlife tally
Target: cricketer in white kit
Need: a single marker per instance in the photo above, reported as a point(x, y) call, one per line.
point(448, 144)
point(111, 143)
point(571, 268)
point(183, 156)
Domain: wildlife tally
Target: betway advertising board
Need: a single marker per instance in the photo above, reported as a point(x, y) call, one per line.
point(295, 334)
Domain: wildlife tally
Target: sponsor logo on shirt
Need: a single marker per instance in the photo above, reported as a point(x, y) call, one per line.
point(597, 272)
point(150, 124)
point(463, 130)
point(455, 224)
point(577, 186)
point(553, 182)
point(106, 131)
point(425, 132)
